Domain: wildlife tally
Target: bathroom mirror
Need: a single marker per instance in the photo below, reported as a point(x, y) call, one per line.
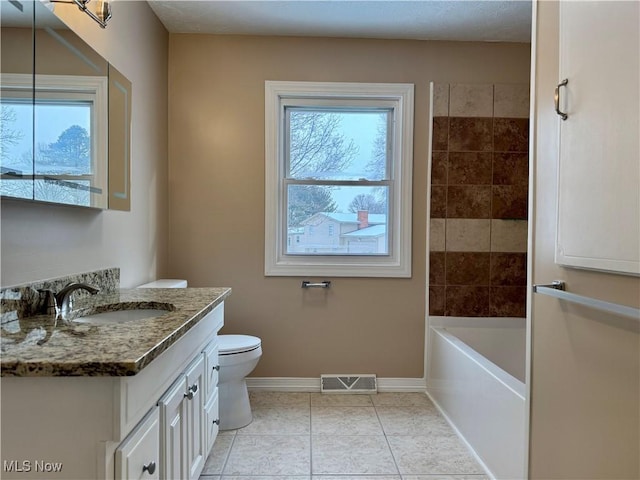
point(78, 109)
point(16, 99)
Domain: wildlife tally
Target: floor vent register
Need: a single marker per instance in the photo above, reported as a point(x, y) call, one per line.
point(348, 383)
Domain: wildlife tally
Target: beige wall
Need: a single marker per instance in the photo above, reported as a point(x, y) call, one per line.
point(585, 387)
point(216, 192)
point(44, 241)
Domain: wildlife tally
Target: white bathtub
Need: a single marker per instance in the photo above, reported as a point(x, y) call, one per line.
point(476, 374)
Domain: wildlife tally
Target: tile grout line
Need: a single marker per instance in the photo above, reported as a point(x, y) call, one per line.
point(226, 458)
point(386, 439)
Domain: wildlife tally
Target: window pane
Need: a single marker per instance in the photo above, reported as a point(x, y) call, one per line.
point(63, 138)
point(337, 144)
point(324, 220)
point(16, 127)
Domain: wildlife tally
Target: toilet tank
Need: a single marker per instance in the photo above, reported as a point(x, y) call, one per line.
point(166, 283)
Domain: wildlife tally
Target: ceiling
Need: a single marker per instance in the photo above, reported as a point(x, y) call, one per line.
point(461, 20)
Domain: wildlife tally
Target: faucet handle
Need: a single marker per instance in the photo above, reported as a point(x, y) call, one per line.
point(50, 302)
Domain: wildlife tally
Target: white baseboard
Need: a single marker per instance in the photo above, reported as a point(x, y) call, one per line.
point(402, 385)
point(298, 384)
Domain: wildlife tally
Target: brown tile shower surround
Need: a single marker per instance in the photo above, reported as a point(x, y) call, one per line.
point(479, 200)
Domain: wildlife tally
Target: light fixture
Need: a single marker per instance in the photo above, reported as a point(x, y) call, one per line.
point(102, 14)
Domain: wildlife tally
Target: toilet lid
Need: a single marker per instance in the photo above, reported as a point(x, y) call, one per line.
point(230, 344)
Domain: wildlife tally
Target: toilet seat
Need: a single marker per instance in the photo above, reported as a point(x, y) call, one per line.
point(235, 344)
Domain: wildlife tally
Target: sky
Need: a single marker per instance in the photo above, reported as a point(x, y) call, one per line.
point(362, 128)
point(50, 120)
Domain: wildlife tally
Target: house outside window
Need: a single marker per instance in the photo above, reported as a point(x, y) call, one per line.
point(338, 166)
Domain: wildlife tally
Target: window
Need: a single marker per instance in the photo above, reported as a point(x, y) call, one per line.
point(64, 161)
point(338, 160)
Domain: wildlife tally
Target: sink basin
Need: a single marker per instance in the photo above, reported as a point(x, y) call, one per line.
point(121, 316)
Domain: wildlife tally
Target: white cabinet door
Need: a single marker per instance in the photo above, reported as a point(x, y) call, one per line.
point(195, 418)
point(138, 456)
point(599, 169)
point(212, 367)
point(184, 434)
point(212, 422)
point(174, 431)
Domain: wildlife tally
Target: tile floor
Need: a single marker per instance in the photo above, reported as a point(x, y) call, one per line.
point(309, 436)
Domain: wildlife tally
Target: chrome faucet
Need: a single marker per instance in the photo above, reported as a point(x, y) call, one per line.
point(63, 299)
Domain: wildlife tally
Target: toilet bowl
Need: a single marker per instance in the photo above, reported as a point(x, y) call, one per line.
point(238, 355)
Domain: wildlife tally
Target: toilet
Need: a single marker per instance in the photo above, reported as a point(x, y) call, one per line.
point(238, 355)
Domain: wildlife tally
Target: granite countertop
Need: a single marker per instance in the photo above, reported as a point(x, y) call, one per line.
point(43, 346)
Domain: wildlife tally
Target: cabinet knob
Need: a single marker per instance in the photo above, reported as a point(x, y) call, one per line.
point(150, 467)
point(217, 368)
point(217, 421)
point(191, 391)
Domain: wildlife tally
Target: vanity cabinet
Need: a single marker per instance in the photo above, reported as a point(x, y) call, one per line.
point(159, 423)
point(598, 223)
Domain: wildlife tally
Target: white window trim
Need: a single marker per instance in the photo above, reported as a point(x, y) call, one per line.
point(398, 263)
point(80, 87)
